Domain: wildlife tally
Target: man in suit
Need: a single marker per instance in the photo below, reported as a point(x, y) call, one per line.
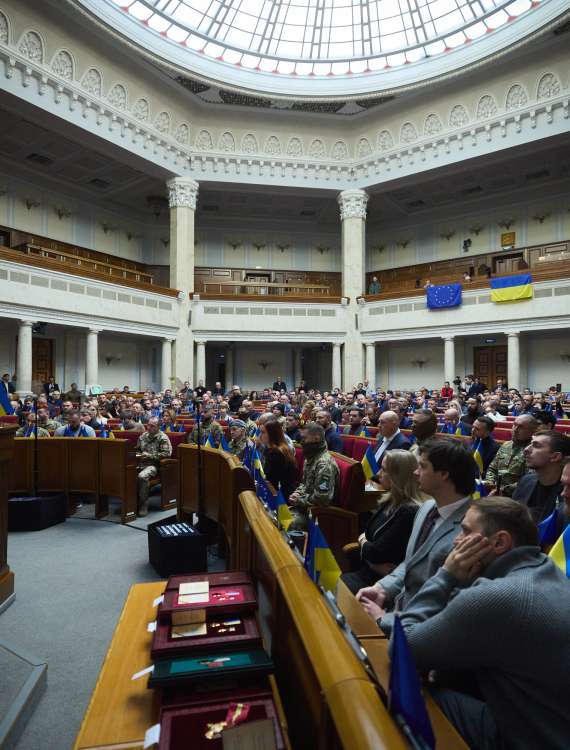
point(389, 435)
point(447, 472)
point(483, 441)
point(279, 385)
point(7, 384)
point(539, 489)
point(332, 438)
point(50, 386)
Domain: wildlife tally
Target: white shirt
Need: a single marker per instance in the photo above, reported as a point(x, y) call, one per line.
point(495, 416)
point(446, 511)
point(385, 443)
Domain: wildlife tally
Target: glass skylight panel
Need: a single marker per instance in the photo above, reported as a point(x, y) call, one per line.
point(311, 35)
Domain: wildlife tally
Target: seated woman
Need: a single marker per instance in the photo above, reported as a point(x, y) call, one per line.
point(279, 462)
point(383, 544)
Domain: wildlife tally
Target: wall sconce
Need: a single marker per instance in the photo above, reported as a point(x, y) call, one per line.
point(447, 234)
point(565, 356)
point(379, 248)
point(132, 235)
point(419, 362)
point(322, 249)
point(506, 223)
point(110, 358)
point(108, 227)
point(165, 241)
point(541, 217)
point(234, 245)
point(31, 203)
point(403, 243)
point(62, 213)
point(476, 230)
point(258, 246)
point(283, 247)
point(264, 364)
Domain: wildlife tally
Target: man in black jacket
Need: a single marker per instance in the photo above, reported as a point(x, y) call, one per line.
point(483, 441)
point(279, 385)
point(333, 439)
point(50, 386)
point(293, 426)
point(389, 435)
point(7, 384)
point(236, 399)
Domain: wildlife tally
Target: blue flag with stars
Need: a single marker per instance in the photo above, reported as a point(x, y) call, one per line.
point(445, 295)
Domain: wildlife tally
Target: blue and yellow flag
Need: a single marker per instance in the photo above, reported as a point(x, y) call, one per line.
point(224, 444)
point(257, 466)
point(548, 529)
point(283, 513)
point(369, 464)
point(108, 434)
point(319, 560)
point(560, 553)
point(211, 442)
point(264, 494)
point(511, 288)
point(477, 455)
point(5, 405)
point(480, 490)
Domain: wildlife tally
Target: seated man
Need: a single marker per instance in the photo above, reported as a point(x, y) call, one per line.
point(424, 427)
point(509, 464)
point(355, 426)
point(539, 489)
point(152, 445)
point(29, 429)
point(293, 429)
point(239, 441)
point(207, 427)
point(389, 435)
point(498, 608)
point(75, 427)
point(483, 442)
point(447, 472)
point(333, 439)
point(44, 419)
point(321, 476)
point(452, 425)
point(128, 422)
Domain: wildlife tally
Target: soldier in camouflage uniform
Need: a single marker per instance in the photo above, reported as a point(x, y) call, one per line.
point(321, 475)
point(239, 440)
point(29, 429)
point(45, 421)
point(151, 447)
point(250, 425)
point(509, 464)
point(207, 426)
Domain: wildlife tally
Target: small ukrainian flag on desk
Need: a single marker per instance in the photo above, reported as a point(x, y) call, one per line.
point(511, 288)
point(5, 405)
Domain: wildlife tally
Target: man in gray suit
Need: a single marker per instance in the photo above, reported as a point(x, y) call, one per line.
point(447, 472)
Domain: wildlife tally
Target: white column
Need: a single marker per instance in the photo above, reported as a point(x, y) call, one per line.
point(371, 364)
point(182, 197)
point(352, 205)
point(449, 358)
point(229, 367)
point(513, 360)
point(200, 362)
point(92, 358)
point(298, 368)
point(24, 366)
point(166, 364)
point(336, 367)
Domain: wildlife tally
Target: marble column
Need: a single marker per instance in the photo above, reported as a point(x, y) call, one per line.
point(298, 366)
point(336, 367)
point(24, 366)
point(371, 364)
point(513, 360)
point(229, 368)
point(92, 358)
point(449, 358)
point(182, 197)
point(200, 362)
point(352, 204)
point(166, 364)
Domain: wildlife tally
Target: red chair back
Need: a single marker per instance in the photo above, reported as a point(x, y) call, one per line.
point(175, 439)
point(351, 481)
point(8, 419)
point(348, 445)
point(563, 426)
point(502, 433)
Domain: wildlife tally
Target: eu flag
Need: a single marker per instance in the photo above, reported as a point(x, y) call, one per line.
point(445, 295)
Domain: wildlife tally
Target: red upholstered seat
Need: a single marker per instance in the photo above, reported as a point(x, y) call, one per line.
point(347, 445)
point(351, 481)
point(9, 419)
point(563, 426)
point(373, 431)
point(175, 439)
point(360, 446)
point(300, 458)
point(502, 433)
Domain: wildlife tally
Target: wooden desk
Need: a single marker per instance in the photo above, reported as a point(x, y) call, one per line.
point(121, 710)
point(6, 457)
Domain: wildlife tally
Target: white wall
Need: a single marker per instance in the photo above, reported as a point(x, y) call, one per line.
point(403, 374)
point(249, 374)
point(545, 366)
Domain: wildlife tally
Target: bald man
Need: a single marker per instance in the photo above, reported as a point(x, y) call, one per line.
point(389, 435)
point(452, 425)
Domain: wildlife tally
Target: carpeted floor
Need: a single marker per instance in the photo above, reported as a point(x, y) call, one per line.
point(71, 584)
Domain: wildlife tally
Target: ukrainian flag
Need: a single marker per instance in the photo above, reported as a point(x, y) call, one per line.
point(369, 464)
point(477, 456)
point(548, 529)
point(511, 288)
point(319, 560)
point(224, 444)
point(284, 515)
point(5, 405)
point(211, 442)
point(480, 490)
point(257, 467)
point(106, 434)
point(560, 553)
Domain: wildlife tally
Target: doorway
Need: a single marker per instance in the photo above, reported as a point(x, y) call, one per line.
point(490, 363)
point(42, 360)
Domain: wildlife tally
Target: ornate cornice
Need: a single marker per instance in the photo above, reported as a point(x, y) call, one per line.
point(353, 204)
point(182, 192)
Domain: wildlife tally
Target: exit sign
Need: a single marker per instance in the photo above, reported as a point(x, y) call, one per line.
point(490, 341)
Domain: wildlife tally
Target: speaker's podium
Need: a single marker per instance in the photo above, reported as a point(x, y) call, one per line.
point(176, 547)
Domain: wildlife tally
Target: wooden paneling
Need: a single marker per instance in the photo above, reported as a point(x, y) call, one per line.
point(42, 359)
point(226, 281)
point(490, 363)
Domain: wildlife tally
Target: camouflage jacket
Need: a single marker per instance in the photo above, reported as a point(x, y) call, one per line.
point(27, 431)
point(158, 446)
point(250, 428)
point(205, 430)
point(320, 481)
point(507, 468)
point(237, 447)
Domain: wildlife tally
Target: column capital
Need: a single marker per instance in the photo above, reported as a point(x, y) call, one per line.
point(448, 338)
point(371, 343)
point(201, 342)
point(513, 334)
point(27, 323)
point(167, 340)
point(182, 192)
point(353, 203)
point(94, 331)
point(337, 344)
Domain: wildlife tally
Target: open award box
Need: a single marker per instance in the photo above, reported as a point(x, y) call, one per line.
point(224, 578)
point(189, 602)
point(215, 632)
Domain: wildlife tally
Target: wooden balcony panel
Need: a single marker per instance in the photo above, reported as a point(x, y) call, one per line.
point(305, 299)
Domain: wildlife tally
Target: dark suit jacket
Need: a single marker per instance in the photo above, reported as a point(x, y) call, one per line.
point(524, 491)
point(9, 386)
point(488, 451)
point(48, 388)
point(334, 440)
point(400, 442)
point(387, 536)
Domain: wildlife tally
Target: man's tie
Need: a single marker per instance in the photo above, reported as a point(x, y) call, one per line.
point(427, 527)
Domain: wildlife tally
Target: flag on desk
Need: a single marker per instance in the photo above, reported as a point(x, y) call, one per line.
point(224, 444)
point(560, 553)
point(443, 295)
point(265, 495)
point(369, 464)
point(480, 490)
point(210, 442)
point(319, 560)
point(105, 433)
point(257, 465)
point(284, 515)
point(511, 288)
point(5, 405)
point(477, 455)
point(548, 529)
point(405, 698)
point(248, 458)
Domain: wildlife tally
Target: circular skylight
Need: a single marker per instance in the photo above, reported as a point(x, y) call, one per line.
point(323, 37)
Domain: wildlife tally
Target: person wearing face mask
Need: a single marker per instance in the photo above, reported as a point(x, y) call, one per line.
point(498, 610)
point(321, 475)
point(424, 427)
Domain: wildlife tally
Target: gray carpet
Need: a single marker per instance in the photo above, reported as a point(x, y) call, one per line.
point(71, 584)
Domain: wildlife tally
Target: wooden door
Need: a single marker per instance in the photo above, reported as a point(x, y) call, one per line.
point(490, 363)
point(42, 359)
point(507, 263)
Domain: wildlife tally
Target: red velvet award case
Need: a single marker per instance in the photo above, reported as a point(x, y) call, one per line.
point(230, 631)
point(225, 578)
point(233, 599)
